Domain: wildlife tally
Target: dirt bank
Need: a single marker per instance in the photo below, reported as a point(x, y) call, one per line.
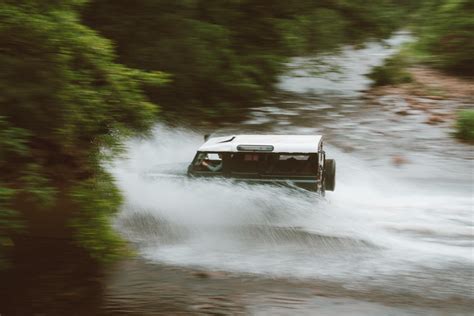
point(436, 95)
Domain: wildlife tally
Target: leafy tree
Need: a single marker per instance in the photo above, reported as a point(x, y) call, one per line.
point(63, 99)
point(226, 55)
point(446, 30)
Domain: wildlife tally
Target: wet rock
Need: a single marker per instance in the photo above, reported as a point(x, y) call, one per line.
point(435, 97)
point(423, 100)
point(441, 111)
point(396, 101)
point(204, 306)
point(201, 274)
point(367, 96)
point(420, 106)
point(209, 275)
point(399, 160)
point(414, 112)
point(435, 119)
point(402, 112)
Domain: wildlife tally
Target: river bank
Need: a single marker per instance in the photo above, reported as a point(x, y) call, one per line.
point(433, 94)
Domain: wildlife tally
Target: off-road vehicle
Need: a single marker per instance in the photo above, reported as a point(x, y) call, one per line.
point(297, 160)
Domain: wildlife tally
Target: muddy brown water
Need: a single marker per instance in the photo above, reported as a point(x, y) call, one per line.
point(395, 237)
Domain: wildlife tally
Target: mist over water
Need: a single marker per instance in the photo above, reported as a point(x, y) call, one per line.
point(390, 229)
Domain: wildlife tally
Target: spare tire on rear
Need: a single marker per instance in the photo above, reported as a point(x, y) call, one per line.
point(329, 174)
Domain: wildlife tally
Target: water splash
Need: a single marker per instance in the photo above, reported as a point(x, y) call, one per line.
point(385, 229)
point(374, 227)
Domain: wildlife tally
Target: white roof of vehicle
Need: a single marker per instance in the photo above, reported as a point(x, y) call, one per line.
point(280, 143)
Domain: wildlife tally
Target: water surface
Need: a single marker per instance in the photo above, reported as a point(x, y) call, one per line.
point(391, 234)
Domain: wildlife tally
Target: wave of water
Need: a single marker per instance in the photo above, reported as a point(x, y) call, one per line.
point(374, 232)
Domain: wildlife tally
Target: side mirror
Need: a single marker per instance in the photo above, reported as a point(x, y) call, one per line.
point(206, 137)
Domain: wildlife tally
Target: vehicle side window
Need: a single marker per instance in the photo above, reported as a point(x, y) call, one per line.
point(208, 162)
point(246, 162)
point(298, 164)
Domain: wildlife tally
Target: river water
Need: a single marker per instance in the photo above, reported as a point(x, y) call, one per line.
point(393, 238)
point(396, 237)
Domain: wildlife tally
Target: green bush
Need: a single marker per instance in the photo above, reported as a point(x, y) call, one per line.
point(227, 55)
point(63, 98)
point(465, 125)
point(446, 31)
point(392, 72)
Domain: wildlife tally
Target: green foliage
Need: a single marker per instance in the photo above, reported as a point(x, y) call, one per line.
point(37, 186)
point(63, 98)
point(15, 153)
point(392, 72)
point(10, 223)
point(465, 125)
point(372, 17)
point(65, 78)
point(226, 55)
point(320, 29)
point(97, 199)
point(446, 30)
point(12, 147)
point(13, 142)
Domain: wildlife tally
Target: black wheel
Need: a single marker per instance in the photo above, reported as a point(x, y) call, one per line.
point(329, 174)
